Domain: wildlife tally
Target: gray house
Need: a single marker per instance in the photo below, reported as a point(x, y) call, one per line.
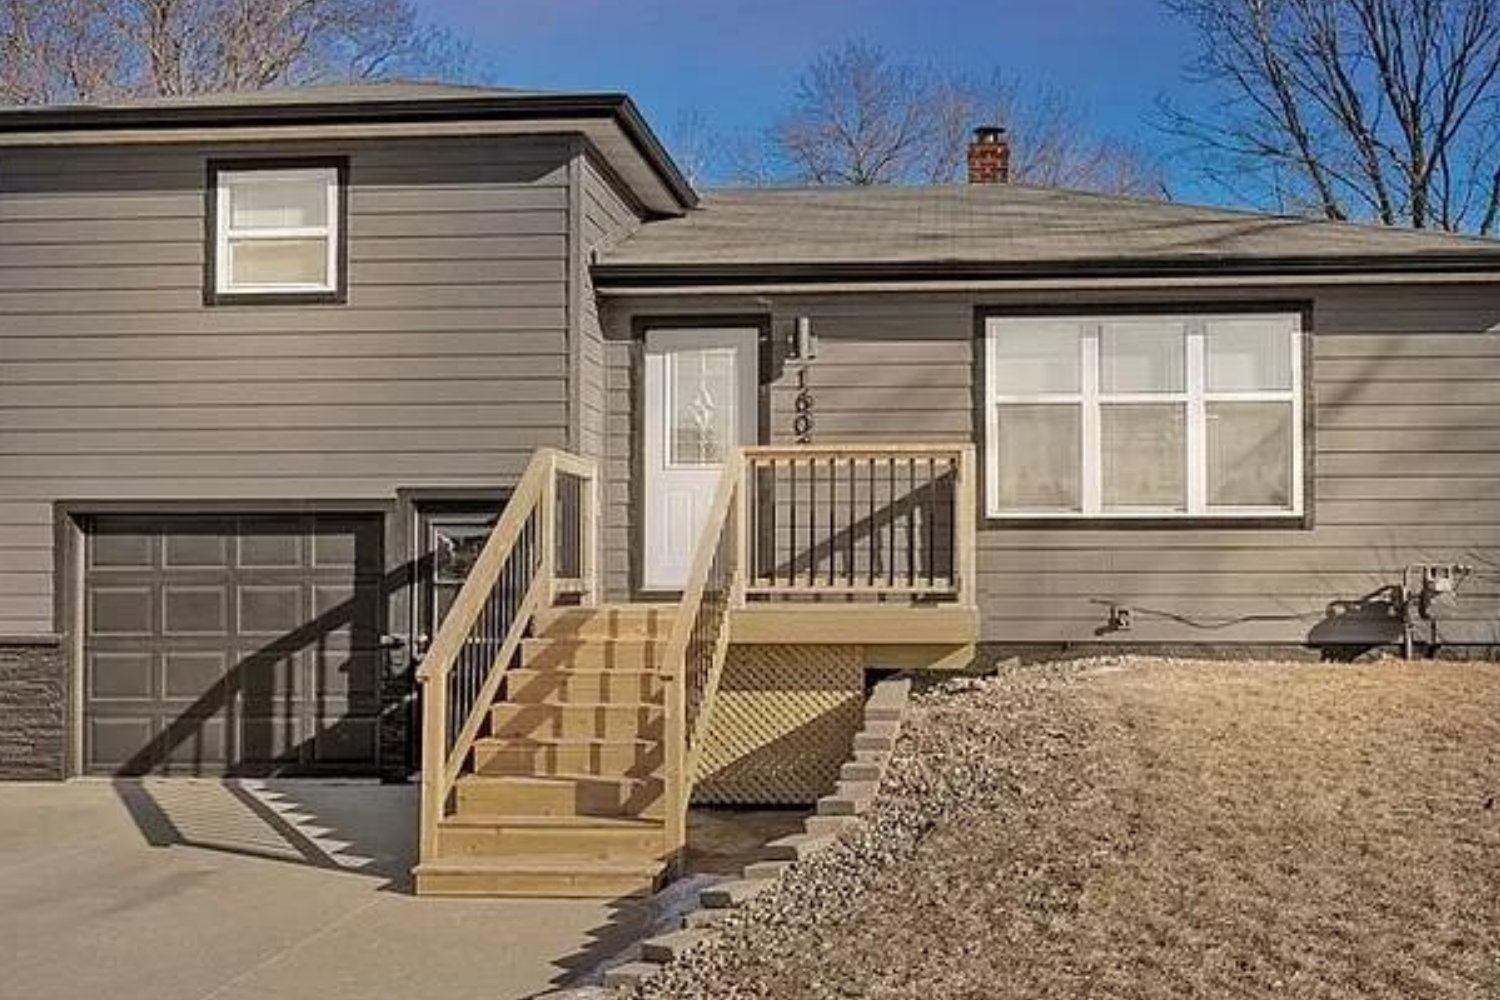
point(367, 430)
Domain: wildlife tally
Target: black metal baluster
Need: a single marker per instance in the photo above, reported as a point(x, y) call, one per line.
point(776, 544)
point(812, 522)
point(890, 569)
point(911, 525)
point(852, 566)
point(791, 560)
point(874, 528)
point(833, 508)
point(931, 527)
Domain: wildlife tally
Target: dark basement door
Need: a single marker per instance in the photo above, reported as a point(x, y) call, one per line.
point(232, 645)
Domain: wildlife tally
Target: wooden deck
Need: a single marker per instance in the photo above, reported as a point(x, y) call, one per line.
point(563, 738)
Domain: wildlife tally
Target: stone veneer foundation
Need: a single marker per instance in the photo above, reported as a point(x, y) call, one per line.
point(33, 710)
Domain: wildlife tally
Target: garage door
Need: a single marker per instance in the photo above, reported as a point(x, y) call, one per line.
point(232, 645)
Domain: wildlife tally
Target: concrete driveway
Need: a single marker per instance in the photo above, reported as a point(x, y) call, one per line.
point(188, 890)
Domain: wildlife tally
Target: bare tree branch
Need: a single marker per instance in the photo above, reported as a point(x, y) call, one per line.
point(1379, 109)
point(62, 50)
point(860, 117)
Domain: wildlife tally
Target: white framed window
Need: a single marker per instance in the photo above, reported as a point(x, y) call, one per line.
point(276, 230)
point(1144, 416)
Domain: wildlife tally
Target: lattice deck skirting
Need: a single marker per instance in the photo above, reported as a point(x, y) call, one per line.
point(783, 721)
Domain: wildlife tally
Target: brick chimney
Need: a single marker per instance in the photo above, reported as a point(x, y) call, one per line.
point(989, 156)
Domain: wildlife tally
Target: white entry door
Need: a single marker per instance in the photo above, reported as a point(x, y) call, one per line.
point(700, 394)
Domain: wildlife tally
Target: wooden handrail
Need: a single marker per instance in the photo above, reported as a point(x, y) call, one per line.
point(514, 577)
point(699, 643)
point(852, 448)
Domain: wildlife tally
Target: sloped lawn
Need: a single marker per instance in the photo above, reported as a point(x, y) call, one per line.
point(1145, 828)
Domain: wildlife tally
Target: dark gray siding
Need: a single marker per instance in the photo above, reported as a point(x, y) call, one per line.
point(448, 365)
point(603, 217)
point(1407, 410)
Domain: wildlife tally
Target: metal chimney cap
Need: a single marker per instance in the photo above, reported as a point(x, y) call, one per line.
point(988, 133)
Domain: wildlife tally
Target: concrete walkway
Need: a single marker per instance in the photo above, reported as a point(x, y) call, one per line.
point(190, 890)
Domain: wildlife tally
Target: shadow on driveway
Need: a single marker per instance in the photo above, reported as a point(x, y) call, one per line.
point(357, 827)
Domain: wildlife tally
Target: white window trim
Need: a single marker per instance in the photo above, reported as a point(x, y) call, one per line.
point(1090, 399)
point(225, 235)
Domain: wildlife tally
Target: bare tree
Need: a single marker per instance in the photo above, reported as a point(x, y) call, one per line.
point(1387, 110)
point(695, 144)
point(60, 50)
point(860, 117)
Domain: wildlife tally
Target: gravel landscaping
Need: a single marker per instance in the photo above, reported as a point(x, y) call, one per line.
point(1146, 828)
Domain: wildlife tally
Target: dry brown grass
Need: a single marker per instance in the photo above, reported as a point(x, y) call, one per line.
point(1146, 828)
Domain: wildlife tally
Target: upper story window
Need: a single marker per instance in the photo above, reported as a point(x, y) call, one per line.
point(1144, 416)
point(277, 232)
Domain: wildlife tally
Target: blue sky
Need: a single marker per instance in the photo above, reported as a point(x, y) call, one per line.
point(737, 61)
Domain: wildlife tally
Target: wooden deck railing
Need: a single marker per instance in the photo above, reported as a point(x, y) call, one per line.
point(881, 522)
point(542, 547)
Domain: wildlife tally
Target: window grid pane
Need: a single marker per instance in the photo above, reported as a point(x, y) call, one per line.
point(1035, 358)
point(1040, 456)
point(1143, 358)
point(1248, 356)
point(1250, 455)
point(1144, 456)
point(272, 201)
point(278, 262)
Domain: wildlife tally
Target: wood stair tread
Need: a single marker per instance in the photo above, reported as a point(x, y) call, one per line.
point(542, 864)
point(537, 673)
point(529, 742)
point(549, 780)
point(656, 706)
point(598, 640)
point(579, 822)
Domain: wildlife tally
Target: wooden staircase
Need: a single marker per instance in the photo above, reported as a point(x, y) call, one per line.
point(563, 794)
point(562, 739)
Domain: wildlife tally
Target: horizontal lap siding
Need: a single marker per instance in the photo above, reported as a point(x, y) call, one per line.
point(447, 366)
point(1407, 410)
point(606, 219)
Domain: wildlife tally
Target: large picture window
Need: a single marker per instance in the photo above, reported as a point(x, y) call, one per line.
point(276, 231)
point(1144, 416)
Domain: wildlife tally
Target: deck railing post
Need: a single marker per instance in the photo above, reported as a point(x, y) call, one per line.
point(588, 529)
point(675, 756)
point(740, 559)
point(966, 527)
point(548, 524)
point(434, 759)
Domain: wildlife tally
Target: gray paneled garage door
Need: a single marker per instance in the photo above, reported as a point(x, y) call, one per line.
point(232, 645)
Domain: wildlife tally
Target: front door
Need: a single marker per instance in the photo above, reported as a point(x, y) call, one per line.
point(700, 393)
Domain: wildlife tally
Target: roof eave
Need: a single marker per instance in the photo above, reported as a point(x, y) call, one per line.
point(814, 274)
point(618, 108)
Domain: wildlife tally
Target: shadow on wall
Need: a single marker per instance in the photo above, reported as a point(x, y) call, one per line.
point(1354, 627)
point(256, 695)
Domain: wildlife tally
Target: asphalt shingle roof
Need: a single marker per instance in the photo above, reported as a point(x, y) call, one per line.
point(997, 224)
